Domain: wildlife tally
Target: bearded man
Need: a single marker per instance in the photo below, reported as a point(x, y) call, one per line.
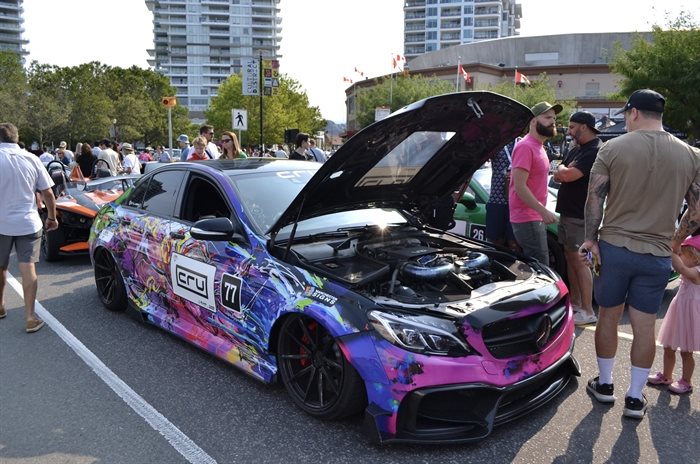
point(527, 195)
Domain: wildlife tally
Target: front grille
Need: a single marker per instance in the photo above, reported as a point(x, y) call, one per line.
point(506, 338)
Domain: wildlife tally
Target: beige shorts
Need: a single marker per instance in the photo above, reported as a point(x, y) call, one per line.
point(571, 232)
point(27, 248)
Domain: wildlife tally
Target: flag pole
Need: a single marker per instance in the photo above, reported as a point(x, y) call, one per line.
point(459, 63)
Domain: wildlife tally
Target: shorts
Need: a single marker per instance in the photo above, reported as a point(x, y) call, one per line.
point(532, 238)
point(498, 223)
point(26, 246)
point(633, 278)
point(571, 232)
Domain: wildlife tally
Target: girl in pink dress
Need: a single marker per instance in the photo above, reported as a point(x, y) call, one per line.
point(680, 328)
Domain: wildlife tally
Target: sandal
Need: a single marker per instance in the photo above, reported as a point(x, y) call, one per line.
point(658, 379)
point(680, 387)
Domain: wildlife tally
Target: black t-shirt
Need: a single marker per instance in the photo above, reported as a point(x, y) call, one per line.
point(571, 200)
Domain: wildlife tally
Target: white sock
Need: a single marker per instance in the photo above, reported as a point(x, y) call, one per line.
point(638, 380)
point(605, 369)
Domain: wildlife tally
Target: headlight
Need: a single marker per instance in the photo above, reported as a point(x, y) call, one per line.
point(419, 333)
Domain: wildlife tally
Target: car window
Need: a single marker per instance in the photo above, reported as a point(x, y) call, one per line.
point(203, 200)
point(161, 194)
point(135, 198)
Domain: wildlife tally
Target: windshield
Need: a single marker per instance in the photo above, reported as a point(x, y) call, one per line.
point(265, 196)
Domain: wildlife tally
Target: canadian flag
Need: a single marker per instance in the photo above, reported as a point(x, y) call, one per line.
point(359, 72)
point(465, 75)
point(521, 78)
point(397, 59)
point(347, 79)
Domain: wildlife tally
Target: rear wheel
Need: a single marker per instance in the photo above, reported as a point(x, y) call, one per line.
point(315, 372)
point(109, 281)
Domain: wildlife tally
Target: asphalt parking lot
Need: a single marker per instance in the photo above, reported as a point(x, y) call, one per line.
point(102, 387)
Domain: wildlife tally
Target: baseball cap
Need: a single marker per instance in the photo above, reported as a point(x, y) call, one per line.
point(646, 100)
point(584, 117)
point(543, 107)
point(183, 138)
point(62, 145)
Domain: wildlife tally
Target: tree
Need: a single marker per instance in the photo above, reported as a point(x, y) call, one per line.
point(13, 89)
point(397, 92)
point(45, 113)
point(288, 109)
point(670, 65)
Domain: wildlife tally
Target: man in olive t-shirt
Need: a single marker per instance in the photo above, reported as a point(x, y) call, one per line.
point(638, 180)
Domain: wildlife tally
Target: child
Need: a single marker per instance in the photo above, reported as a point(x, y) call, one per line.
point(198, 152)
point(681, 326)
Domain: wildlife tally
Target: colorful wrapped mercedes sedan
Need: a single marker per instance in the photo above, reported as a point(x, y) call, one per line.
point(340, 281)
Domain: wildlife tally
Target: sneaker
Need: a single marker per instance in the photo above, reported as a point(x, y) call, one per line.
point(680, 387)
point(581, 318)
point(635, 407)
point(3, 313)
point(658, 379)
point(603, 392)
point(34, 325)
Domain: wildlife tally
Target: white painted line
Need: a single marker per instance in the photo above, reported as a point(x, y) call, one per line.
point(181, 442)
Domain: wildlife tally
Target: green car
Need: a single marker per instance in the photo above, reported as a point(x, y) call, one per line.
point(470, 217)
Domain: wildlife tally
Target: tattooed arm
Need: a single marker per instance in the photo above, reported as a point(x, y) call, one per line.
point(598, 188)
point(690, 221)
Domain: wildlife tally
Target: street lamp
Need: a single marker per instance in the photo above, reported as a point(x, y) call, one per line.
point(113, 130)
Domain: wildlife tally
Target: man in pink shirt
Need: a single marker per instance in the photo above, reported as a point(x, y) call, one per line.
point(528, 184)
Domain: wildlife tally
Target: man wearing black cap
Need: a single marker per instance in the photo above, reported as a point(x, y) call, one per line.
point(527, 196)
point(573, 174)
point(637, 184)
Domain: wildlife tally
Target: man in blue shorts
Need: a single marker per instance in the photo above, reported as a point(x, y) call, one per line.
point(644, 176)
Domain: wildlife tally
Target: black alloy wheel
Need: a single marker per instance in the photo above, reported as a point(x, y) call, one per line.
point(109, 281)
point(315, 372)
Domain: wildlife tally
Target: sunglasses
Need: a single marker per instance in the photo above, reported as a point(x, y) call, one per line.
point(225, 140)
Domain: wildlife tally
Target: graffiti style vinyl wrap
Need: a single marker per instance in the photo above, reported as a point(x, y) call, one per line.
point(344, 290)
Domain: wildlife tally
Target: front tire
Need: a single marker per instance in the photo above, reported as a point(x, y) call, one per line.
point(315, 372)
point(109, 281)
point(557, 259)
point(51, 244)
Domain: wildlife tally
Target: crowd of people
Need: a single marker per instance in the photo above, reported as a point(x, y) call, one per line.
point(123, 158)
point(618, 204)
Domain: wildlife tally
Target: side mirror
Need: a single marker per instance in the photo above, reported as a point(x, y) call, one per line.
point(215, 229)
point(468, 200)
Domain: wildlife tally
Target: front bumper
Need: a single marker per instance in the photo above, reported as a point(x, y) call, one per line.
point(468, 412)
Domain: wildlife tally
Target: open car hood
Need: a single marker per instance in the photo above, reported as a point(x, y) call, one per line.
point(417, 155)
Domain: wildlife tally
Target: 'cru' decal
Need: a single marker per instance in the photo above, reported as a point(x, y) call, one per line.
point(193, 281)
point(231, 294)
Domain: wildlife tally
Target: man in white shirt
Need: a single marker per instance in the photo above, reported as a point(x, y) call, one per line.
point(21, 176)
point(207, 131)
point(131, 164)
point(109, 155)
point(68, 155)
point(46, 157)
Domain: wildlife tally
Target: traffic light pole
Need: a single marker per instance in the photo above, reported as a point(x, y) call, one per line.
point(261, 102)
point(170, 131)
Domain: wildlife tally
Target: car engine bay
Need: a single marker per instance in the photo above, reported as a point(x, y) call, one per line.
point(409, 267)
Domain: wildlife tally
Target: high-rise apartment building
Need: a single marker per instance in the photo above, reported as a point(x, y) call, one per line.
point(11, 29)
point(431, 25)
point(200, 43)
